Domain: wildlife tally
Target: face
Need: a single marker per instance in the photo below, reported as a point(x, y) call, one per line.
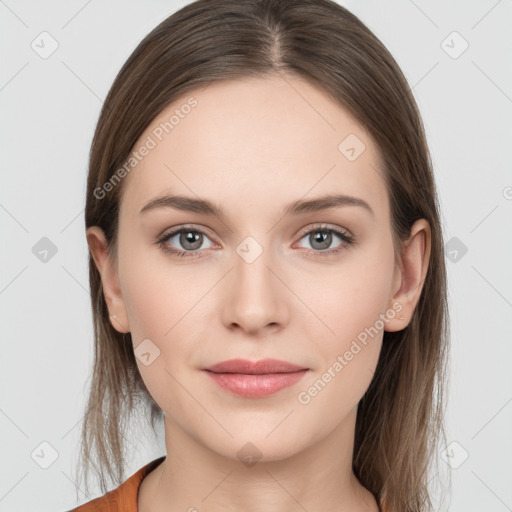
point(310, 286)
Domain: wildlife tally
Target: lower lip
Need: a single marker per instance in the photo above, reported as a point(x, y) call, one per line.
point(256, 386)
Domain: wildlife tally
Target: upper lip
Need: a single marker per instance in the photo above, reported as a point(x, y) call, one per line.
point(261, 367)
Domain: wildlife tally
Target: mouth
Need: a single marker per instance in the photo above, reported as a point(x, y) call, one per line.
point(265, 366)
point(255, 379)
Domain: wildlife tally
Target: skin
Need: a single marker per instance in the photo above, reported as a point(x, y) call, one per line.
point(252, 146)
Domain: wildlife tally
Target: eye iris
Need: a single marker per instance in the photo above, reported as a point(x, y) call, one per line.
point(323, 237)
point(191, 237)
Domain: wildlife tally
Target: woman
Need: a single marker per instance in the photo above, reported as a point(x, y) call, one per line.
point(266, 267)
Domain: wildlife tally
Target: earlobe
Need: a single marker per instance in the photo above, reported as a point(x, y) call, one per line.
point(411, 274)
point(109, 279)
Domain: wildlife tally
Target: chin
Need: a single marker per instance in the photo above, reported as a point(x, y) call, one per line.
point(253, 447)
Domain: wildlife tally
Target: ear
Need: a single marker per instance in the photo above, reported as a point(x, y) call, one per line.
point(410, 274)
point(109, 278)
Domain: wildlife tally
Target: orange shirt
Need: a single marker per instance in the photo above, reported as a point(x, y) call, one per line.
point(124, 497)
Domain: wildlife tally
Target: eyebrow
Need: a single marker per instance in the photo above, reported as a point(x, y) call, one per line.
point(301, 206)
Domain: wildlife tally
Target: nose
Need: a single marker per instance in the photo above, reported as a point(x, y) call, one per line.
point(255, 299)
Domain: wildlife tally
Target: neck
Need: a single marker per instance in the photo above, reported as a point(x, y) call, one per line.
point(194, 477)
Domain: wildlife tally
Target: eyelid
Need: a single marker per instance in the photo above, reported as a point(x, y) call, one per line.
point(323, 226)
point(300, 233)
point(192, 227)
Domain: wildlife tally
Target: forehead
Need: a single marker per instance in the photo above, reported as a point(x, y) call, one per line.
point(278, 138)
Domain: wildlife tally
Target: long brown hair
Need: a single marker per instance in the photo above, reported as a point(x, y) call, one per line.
point(400, 420)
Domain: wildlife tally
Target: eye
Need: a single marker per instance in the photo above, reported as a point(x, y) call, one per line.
point(321, 238)
point(191, 239)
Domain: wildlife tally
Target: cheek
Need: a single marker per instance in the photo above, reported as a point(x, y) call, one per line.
point(160, 327)
point(158, 294)
point(347, 301)
point(345, 321)
point(165, 306)
point(347, 352)
point(149, 307)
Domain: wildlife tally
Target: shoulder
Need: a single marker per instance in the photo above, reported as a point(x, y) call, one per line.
point(124, 497)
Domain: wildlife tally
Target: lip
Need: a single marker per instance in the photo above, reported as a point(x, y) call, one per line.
point(255, 379)
point(261, 367)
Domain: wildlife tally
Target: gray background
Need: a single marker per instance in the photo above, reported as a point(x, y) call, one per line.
point(49, 109)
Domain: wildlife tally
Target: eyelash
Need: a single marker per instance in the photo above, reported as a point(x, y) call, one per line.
point(345, 237)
